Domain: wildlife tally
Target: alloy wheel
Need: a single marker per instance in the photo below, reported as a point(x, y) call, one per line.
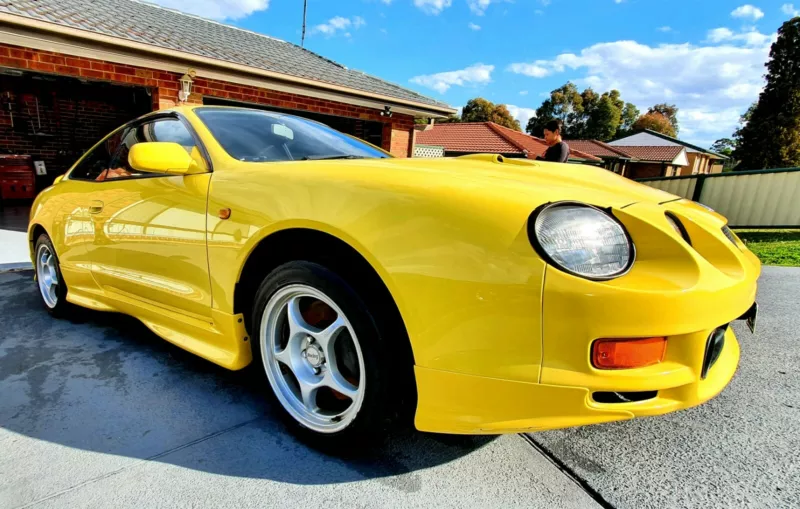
point(312, 358)
point(47, 275)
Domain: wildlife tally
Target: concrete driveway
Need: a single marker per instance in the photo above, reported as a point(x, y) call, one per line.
point(98, 412)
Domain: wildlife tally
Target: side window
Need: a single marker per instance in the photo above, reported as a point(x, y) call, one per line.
point(164, 129)
point(98, 161)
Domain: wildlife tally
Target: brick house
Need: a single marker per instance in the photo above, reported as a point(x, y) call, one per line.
point(699, 160)
point(459, 139)
point(72, 71)
point(637, 161)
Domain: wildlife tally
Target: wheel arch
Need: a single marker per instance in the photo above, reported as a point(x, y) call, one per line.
point(328, 249)
point(34, 231)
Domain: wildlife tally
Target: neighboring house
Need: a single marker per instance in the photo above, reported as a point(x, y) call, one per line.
point(460, 139)
point(70, 71)
point(639, 161)
point(700, 160)
point(614, 159)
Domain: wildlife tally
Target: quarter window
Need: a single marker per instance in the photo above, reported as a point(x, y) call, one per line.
point(98, 160)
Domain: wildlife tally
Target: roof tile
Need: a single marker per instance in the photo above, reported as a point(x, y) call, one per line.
point(167, 28)
point(482, 137)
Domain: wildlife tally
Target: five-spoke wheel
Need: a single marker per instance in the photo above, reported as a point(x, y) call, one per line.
point(47, 275)
point(312, 358)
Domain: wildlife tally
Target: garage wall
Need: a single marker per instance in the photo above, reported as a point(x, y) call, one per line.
point(56, 119)
point(164, 87)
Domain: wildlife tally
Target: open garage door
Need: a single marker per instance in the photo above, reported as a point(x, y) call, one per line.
point(46, 123)
point(367, 130)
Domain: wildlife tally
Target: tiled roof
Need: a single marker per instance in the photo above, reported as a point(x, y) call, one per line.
point(483, 137)
point(598, 148)
point(467, 137)
point(657, 153)
point(166, 28)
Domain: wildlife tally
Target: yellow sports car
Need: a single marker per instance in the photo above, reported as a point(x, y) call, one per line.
point(471, 295)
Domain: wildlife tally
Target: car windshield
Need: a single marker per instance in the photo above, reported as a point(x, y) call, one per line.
point(261, 136)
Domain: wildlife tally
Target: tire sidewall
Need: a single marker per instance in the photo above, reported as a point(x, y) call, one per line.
point(374, 417)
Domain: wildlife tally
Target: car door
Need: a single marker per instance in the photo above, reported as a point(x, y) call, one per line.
point(73, 226)
point(150, 229)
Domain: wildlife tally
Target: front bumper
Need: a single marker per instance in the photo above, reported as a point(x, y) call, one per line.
point(465, 404)
point(675, 290)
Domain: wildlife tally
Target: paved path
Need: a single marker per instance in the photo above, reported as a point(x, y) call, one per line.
point(13, 238)
point(98, 412)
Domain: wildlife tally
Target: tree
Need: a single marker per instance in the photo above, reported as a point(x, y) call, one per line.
point(481, 110)
point(603, 120)
point(565, 103)
point(670, 111)
point(655, 122)
point(629, 115)
point(723, 146)
point(770, 134)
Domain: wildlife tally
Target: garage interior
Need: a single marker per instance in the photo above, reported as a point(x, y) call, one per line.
point(47, 123)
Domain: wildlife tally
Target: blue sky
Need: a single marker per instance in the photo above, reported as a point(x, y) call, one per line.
point(706, 56)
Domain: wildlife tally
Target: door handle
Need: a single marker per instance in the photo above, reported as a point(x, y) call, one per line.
point(95, 207)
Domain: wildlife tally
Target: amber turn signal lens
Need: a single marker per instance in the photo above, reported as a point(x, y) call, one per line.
point(628, 353)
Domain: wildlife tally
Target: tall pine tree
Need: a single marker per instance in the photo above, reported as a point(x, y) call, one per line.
point(771, 136)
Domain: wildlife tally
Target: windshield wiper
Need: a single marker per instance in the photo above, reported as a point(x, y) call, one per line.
point(325, 158)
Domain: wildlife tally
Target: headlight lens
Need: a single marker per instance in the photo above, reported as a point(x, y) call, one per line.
point(582, 240)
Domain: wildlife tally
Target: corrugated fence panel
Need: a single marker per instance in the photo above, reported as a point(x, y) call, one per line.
point(768, 199)
point(683, 187)
point(748, 199)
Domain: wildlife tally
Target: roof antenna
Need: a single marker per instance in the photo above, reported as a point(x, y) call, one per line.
point(303, 37)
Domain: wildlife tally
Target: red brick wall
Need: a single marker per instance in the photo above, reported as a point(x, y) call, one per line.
point(164, 85)
point(71, 117)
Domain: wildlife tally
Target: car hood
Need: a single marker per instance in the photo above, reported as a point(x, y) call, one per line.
point(530, 180)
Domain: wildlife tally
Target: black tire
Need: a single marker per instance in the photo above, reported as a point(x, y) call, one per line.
point(61, 307)
point(382, 399)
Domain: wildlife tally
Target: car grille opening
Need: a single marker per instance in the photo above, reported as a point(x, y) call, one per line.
point(714, 345)
point(623, 397)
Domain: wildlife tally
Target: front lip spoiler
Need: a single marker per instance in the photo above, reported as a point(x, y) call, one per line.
point(750, 317)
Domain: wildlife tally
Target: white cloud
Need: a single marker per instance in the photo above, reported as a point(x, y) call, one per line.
point(523, 92)
point(750, 38)
point(477, 74)
point(216, 9)
point(789, 10)
point(478, 7)
point(339, 24)
point(533, 70)
point(434, 7)
point(665, 29)
point(521, 114)
point(748, 12)
point(387, 2)
point(618, 1)
point(473, 26)
point(721, 80)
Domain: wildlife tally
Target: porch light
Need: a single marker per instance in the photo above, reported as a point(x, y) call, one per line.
point(186, 85)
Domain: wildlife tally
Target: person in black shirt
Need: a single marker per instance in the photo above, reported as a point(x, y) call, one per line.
point(557, 150)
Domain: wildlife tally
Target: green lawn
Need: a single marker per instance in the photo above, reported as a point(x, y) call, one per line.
point(773, 247)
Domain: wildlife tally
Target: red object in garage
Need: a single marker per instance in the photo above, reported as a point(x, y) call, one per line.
point(17, 177)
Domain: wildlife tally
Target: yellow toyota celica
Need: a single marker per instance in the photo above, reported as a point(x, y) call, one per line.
point(476, 294)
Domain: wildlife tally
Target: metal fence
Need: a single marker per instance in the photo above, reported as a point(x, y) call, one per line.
point(749, 199)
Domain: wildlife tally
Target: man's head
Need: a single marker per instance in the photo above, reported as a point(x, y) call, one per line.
point(552, 132)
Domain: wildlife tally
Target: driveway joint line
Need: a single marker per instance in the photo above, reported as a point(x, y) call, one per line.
point(571, 474)
point(141, 461)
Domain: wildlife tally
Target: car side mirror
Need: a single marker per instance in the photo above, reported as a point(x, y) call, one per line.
point(162, 157)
